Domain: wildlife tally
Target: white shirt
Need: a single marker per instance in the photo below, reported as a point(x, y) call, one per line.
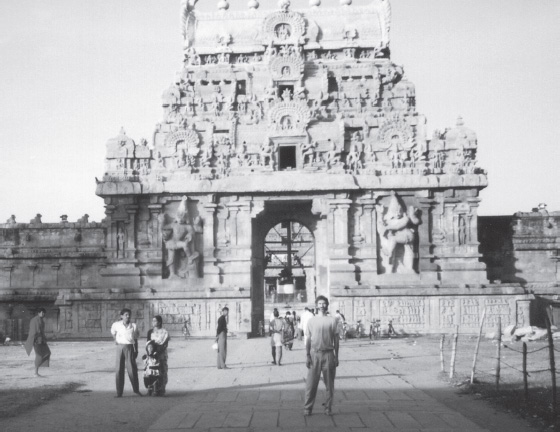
point(305, 317)
point(126, 335)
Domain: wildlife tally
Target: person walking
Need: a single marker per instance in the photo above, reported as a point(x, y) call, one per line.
point(276, 337)
point(37, 341)
point(221, 339)
point(125, 334)
point(322, 355)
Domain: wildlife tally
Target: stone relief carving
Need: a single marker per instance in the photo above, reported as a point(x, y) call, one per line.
point(289, 117)
point(180, 241)
point(284, 27)
point(396, 226)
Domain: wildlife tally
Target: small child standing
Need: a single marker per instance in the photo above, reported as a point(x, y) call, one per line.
point(152, 369)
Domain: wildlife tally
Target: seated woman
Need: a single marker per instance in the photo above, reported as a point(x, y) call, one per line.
point(160, 337)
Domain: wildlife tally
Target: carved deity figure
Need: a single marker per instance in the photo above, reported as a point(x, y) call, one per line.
point(353, 159)
point(332, 156)
point(308, 153)
point(396, 229)
point(265, 155)
point(179, 239)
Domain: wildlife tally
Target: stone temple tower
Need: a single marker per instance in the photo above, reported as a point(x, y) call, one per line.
point(290, 161)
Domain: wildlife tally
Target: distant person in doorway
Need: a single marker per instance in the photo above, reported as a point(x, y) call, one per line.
point(160, 337)
point(125, 334)
point(322, 355)
point(277, 338)
point(221, 339)
point(37, 341)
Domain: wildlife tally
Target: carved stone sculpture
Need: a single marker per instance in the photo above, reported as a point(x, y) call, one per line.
point(397, 227)
point(182, 258)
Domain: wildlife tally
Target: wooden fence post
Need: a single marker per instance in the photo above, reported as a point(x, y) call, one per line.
point(454, 353)
point(498, 353)
point(477, 346)
point(552, 363)
point(525, 384)
point(442, 360)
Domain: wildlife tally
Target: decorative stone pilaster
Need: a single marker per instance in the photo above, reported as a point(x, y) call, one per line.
point(523, 318)
point(364, 240)
point(131, 228)
point(210, 271)
point(426, 237)
point(238, 269)
point(341, 271)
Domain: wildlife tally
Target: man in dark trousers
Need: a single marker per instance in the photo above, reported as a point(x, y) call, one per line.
point(322, 355)
point(125, 334)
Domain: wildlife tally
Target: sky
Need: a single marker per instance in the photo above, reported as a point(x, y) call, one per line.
point(73, 72)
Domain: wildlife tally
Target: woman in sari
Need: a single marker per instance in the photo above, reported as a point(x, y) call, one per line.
point(161, 338)
point(37, 341)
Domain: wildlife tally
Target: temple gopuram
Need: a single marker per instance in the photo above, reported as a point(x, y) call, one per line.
point(290, 161)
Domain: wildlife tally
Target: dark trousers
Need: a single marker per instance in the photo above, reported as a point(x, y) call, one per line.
point(126, 357)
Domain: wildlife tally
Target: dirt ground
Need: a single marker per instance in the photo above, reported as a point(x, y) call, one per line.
point(78, 389)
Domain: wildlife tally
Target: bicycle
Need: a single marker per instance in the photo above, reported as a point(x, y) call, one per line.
point(359, 329)
point(344, 334)
point(374, 329)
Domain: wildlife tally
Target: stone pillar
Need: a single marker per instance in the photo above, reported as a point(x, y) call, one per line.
point(365, 240)
point(239, 222)
point(211, 272)
point(155, 228)
point(523, 318)
point(341, 272)
point(425, 237)
point(131, 227)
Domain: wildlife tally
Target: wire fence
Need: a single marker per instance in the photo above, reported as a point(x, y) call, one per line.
point(504, 363)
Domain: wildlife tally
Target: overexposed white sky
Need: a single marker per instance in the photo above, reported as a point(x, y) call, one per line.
point(74, 71)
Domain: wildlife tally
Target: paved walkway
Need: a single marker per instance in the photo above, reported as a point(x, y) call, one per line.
point(390, 385)
point(256, 396)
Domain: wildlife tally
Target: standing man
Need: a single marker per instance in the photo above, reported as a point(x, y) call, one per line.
point(37, 341)
point(125, 334)
point(221, 338)
point(322, 355)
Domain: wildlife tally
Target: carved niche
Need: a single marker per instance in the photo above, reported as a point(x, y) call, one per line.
point(184, 145)
point(287, 65)
point(395, 134)
point(397, 231)
point(289, 118)
point(181, 259)
point(284, 27)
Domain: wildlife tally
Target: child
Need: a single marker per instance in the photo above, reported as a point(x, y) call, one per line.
point(152, 369)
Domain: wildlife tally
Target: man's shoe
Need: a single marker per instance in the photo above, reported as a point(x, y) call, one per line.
point(273, 362)
point(138, 393)
point(328, 412)
point(306, 413)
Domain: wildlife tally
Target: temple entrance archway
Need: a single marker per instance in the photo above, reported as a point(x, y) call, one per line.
point(289, 253)
point(284, 258)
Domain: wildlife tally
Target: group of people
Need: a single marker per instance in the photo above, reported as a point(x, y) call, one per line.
point(320, 332)
point(125, 334)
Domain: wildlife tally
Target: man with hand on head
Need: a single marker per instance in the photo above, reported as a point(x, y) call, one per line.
point(125, 334)
point(322, 355)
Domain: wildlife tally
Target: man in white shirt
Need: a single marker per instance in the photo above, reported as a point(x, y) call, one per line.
point(322, 355)
point(125, 334)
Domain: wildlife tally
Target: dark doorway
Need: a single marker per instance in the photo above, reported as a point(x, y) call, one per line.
point(287, 157)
